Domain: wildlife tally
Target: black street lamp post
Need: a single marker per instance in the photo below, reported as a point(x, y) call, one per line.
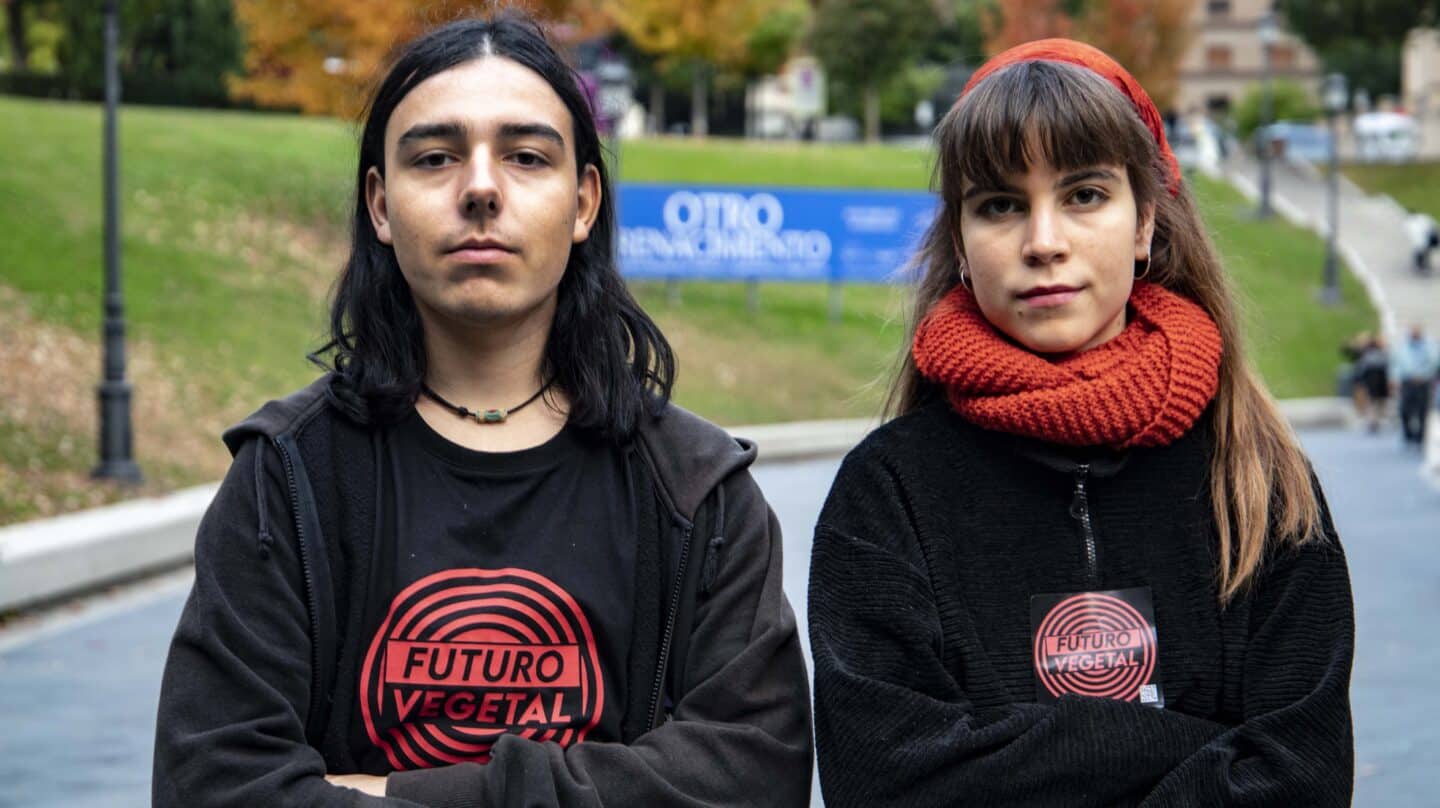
point(116, 436)
point(1268, 35)
point(1334, 95)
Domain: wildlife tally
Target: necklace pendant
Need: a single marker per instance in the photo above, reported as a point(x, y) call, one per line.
point(495, 415)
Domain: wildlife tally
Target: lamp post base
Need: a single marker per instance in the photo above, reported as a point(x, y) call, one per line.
point(120, 471)
point(117, 461)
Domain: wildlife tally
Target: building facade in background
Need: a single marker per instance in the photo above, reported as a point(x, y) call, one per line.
point(1420, 86)
point(1225, 57)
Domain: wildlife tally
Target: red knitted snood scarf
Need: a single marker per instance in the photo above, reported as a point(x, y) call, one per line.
point(1145, 387)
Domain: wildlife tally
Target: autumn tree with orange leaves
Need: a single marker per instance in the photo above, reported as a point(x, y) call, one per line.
point(321, 55)
point(1009, 24)
point(1148, 37)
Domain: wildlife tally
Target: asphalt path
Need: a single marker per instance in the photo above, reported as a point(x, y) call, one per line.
point(78, 688)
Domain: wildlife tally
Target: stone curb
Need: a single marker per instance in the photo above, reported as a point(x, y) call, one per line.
point(804, 440)
point(48, 559)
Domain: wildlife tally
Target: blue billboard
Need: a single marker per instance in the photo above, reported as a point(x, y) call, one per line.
point(740, 233)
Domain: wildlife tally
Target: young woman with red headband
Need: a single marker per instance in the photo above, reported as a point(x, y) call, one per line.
point(1088, 563)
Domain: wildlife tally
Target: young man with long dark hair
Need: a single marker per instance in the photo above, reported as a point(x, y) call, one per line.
point(482, 560)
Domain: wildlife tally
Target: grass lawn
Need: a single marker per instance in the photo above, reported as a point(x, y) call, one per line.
point(1414, 185)
point(725, 161)
point(234, 227)
point(1277, 268)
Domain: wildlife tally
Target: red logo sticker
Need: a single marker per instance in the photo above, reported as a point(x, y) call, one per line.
point(1099, 644)
point(467, 655)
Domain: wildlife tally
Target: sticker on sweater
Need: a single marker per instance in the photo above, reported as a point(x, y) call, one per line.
point(467, 655)
point(1098, 644)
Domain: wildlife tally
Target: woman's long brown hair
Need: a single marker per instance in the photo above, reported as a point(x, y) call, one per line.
point(1071, 118)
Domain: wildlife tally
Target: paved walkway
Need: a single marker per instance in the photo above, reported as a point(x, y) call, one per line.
point(1372, 240)
point(79, 696)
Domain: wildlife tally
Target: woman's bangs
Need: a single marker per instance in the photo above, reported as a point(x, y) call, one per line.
point(1038, 113)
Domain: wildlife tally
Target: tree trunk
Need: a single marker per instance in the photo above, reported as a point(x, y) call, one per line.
point(750, 124)
point(657, 107)
point(15, 26)
point(872, 112)
point(699, 104)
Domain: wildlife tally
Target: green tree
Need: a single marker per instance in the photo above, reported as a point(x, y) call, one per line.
point(1323, 23)
point(15, 34)
point(1372, 66)
point(898, 97)
point(867, 43)
point(773, 41)
point(1291, 103)
point(915, 83)
point(31, 35)
point(1362, 39)
point(180, 49)
point(960, 37)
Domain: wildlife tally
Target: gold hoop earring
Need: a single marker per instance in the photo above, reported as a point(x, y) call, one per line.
point(1146, 271)
point(963, 281)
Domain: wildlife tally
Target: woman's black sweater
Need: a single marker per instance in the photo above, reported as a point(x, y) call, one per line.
point(933, 540)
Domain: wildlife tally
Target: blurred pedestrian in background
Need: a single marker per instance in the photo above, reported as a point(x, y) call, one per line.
point(1424, 237)
point(1413, 366)
point(1347, 381)
point(1374, 372)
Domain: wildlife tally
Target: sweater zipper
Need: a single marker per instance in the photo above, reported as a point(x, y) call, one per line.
point(669, 634)
point(304, 564)
point(1080, 510)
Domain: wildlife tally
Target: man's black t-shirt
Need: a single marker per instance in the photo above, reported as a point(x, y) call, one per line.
point(501, 599)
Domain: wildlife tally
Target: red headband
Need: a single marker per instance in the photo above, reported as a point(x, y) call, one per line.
point(1096, 61)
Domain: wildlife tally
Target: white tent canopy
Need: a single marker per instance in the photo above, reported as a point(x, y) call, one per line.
point(1386, 136)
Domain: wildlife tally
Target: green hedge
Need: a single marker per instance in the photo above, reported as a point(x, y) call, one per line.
point(146, 89)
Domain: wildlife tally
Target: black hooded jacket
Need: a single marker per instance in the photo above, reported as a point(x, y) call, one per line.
point(251, 709)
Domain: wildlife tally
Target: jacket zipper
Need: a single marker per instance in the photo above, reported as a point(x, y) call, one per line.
point(1080, 510)
point(669, 634)
point(304, 566)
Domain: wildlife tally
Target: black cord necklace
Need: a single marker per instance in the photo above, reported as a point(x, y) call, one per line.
point(482, 416)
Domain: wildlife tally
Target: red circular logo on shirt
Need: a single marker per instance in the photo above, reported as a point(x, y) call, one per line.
point(1095, 645)
point(467, 655)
